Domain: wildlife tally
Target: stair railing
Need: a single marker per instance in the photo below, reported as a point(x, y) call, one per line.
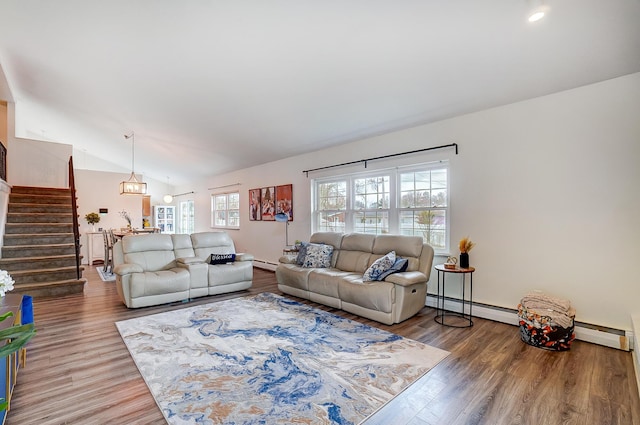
point(74, 213)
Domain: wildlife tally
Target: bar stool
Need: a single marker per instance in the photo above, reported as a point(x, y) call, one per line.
point(108, 250)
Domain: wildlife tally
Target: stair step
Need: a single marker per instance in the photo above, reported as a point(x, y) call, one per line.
point(38, 228)
point(39, 208)
point(25, 198)
point(40, 190)
point(38, 250)
point(32, 263)
point(20, 239)
point(30, 218)
point(45, 275)
point(51, 289)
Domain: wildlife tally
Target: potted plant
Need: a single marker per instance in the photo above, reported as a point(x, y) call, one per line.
point(92, 218)
point(16, 336)
point(124, 214)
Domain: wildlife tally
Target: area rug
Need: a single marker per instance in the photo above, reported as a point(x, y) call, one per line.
point(266, 359)
point(106, 277)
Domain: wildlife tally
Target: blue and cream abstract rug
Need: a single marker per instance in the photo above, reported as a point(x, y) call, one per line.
point(266, 359)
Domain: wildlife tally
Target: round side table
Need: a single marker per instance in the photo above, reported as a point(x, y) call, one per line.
point(441, 313)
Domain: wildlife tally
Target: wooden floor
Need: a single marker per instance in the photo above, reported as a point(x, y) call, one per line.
point(79, 371)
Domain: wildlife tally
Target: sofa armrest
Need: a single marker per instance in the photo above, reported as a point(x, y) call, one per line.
point(288, 259)
point(407, 278)
point(197, 269)
point(189, 260)
point(243, 256)
point(126, 268)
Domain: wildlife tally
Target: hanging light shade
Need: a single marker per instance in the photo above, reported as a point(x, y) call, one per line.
point(132, 186)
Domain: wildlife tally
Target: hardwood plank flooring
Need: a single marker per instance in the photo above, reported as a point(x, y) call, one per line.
point(79, 371)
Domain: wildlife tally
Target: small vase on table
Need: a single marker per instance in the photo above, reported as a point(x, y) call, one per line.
point(464, 260)
point(465, 246)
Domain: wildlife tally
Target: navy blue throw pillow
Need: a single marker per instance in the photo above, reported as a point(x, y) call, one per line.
point(399, 266)
point(222, 258)
point(302, 252)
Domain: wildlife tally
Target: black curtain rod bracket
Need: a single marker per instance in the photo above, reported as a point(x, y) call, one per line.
point(365, 161)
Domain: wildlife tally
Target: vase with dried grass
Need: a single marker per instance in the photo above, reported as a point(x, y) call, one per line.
point(465, 246)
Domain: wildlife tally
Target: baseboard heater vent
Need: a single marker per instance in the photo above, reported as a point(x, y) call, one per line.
point(264, 264)
point(609, 337)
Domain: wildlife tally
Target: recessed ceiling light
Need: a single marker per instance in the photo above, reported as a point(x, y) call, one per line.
point(536, 16)
point(538, 13)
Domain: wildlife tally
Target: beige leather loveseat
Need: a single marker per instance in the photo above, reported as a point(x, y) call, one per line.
point(157, 269)
point(394, 299)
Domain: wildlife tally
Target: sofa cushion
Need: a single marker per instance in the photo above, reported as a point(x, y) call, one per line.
point(152, 252)
point(403, 245)
point(378, 296)
point(225, 274)
point(318, 255)
point(159, 282)
point(293, 275)
point(205, 243)
point(355, 252)
point(379, 266)
point(222, 258)
point(182, 246)
point(325, 281)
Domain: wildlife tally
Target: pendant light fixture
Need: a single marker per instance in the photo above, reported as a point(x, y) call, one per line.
point(168, 198)
point(132, 186)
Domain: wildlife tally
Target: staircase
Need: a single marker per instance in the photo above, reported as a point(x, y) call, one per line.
point(39, 244)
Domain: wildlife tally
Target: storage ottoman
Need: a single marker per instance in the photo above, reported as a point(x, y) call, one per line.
point(550, 328)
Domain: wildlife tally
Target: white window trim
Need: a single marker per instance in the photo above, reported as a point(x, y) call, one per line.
point(181, 218)
point(394, 190)
point(213, 210)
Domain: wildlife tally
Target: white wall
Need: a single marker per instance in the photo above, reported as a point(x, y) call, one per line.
point(36, 163)
point(100, 189)
point(547, 188)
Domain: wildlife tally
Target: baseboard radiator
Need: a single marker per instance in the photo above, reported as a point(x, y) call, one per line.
point(264, 264)
point(609, 337)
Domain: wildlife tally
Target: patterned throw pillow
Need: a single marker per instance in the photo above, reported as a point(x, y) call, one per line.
point(318, 255)
point(379, 266)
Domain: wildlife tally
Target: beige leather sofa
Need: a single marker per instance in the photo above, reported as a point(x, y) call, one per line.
point(156, 269)
point(392, 300)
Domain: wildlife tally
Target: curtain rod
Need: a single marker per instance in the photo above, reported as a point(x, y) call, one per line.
point(382, 157)
point(226, 185)
point(181, 194)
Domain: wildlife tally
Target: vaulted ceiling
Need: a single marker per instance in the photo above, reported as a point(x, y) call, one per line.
point(212, 86)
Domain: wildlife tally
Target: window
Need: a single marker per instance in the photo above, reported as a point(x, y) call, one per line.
point(332, 205)
point(408, 201)
point(225, 210)
point(423, 206)
point(187, 217)
point(371, 204)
